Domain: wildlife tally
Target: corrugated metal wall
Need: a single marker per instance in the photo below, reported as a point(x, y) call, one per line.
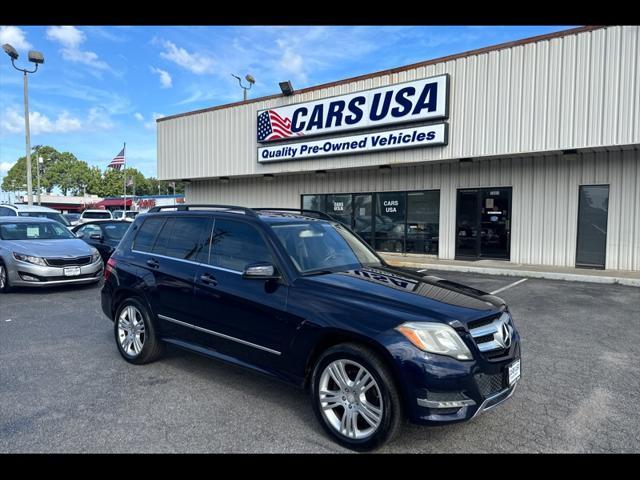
point(577, 91)
point(544, 209)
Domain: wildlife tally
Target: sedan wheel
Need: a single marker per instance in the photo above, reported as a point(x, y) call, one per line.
point(4, 278)
point(131, 333)
point(350, 399)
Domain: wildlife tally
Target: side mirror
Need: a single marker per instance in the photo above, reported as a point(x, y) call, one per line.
point(260, 271)
point(96, 236)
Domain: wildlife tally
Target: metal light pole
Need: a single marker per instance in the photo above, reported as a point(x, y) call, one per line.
point(249, 79)
point(40, 166)
point(36, 58)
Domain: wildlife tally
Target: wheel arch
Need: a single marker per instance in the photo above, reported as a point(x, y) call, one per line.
point(124, 293)
point(337, 337)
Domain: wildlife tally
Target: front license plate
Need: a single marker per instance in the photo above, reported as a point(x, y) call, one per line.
point(71, 271)
point(514, 372)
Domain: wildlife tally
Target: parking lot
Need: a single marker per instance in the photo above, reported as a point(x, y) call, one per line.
point(65, 388)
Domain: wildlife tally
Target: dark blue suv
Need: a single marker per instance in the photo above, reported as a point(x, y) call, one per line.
point(298, 296)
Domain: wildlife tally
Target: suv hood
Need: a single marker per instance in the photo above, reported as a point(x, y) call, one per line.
point(64, 248)
point(410, 295)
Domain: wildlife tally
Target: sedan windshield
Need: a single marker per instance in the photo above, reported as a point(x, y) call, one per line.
point(34, 231)
point(58, 217)
point(319, 246)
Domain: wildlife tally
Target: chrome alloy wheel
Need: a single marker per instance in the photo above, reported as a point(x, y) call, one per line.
point(3, 276)
point(131, 331)
point(350, 399)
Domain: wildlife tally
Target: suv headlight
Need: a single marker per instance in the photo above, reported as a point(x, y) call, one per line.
point(95, 256)
point(435, 338)
point(29, 259)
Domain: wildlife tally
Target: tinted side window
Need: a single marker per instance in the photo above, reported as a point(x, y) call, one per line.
point(235, 245)
point(7, 212)
point(147, 234)
point(185, 238)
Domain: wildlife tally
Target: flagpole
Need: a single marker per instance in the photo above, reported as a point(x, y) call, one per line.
point(125, 176)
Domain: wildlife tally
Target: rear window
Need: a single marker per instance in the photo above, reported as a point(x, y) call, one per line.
point(147, 234)
point(96, 215)
point(185, 238)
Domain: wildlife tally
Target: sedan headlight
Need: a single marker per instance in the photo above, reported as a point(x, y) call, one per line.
point(435, 338)
point(29, 259)
point(95, 256)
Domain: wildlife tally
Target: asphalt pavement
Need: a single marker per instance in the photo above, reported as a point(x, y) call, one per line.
point(65, 388)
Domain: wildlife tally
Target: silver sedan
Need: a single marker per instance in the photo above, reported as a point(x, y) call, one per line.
point(38, 252)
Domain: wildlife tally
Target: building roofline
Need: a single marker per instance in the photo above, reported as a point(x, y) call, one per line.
point(391, 71)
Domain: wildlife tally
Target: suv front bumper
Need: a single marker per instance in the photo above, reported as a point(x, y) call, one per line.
point(440, 390)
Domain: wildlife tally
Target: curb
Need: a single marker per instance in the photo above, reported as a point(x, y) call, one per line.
point(569, 277)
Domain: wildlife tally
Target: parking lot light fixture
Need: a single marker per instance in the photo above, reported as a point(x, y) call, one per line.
point(249, 78)
point(36, 58)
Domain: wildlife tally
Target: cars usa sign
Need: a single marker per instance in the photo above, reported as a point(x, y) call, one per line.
point(416, 101)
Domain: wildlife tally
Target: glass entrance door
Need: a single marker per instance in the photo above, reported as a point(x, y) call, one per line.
point(593, 210)
point(468, 224)
point(483, 224)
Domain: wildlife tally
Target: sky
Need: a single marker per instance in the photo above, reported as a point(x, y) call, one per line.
point(101, 86)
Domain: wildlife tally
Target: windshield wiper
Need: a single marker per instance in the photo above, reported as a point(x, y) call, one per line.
point(316, 272)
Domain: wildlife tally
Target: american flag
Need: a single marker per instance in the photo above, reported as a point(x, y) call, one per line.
point(272, 126)
point(117, 161)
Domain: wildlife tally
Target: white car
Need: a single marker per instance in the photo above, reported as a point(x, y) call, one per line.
point(95, 214)
point(120, 214)
point(11, 210)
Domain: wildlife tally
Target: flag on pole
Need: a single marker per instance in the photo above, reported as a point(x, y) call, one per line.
point(118, 161)
point(172, 184)
point(130, 182)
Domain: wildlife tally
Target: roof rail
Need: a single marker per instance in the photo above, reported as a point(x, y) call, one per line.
point(187, 207)
point(322, 215)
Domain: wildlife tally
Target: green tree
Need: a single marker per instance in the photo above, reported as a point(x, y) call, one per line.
point(70, 174)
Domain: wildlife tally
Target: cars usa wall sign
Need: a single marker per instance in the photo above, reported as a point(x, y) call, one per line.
point(414, 102)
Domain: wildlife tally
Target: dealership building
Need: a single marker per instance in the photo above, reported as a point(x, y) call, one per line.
point(527, 152)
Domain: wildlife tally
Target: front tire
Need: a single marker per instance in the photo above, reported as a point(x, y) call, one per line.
point(4, 278)
point(135, 333)
point(355, 398)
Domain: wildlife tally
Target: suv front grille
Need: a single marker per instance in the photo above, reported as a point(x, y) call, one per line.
point(489, 335)
point(489, 384)
point(68, 262)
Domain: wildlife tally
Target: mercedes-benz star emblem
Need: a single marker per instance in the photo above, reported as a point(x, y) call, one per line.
point(503, 334)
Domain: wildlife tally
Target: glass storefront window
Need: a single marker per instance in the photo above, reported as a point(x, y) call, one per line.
point(423, 222)
point(390, 217)
point(363, 216)
point(388, 221)
point(339, 207)
point(313, 202)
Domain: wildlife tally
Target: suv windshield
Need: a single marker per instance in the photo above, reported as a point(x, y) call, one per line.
point(320, 246)
point(58, 217)
point(34, 231)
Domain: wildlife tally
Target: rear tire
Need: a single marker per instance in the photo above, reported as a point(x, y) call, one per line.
point(367, 398)
point(5, 287)
point(135, 333)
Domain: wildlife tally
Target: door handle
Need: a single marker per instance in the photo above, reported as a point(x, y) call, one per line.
point(208, 279)
point(153, 263)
